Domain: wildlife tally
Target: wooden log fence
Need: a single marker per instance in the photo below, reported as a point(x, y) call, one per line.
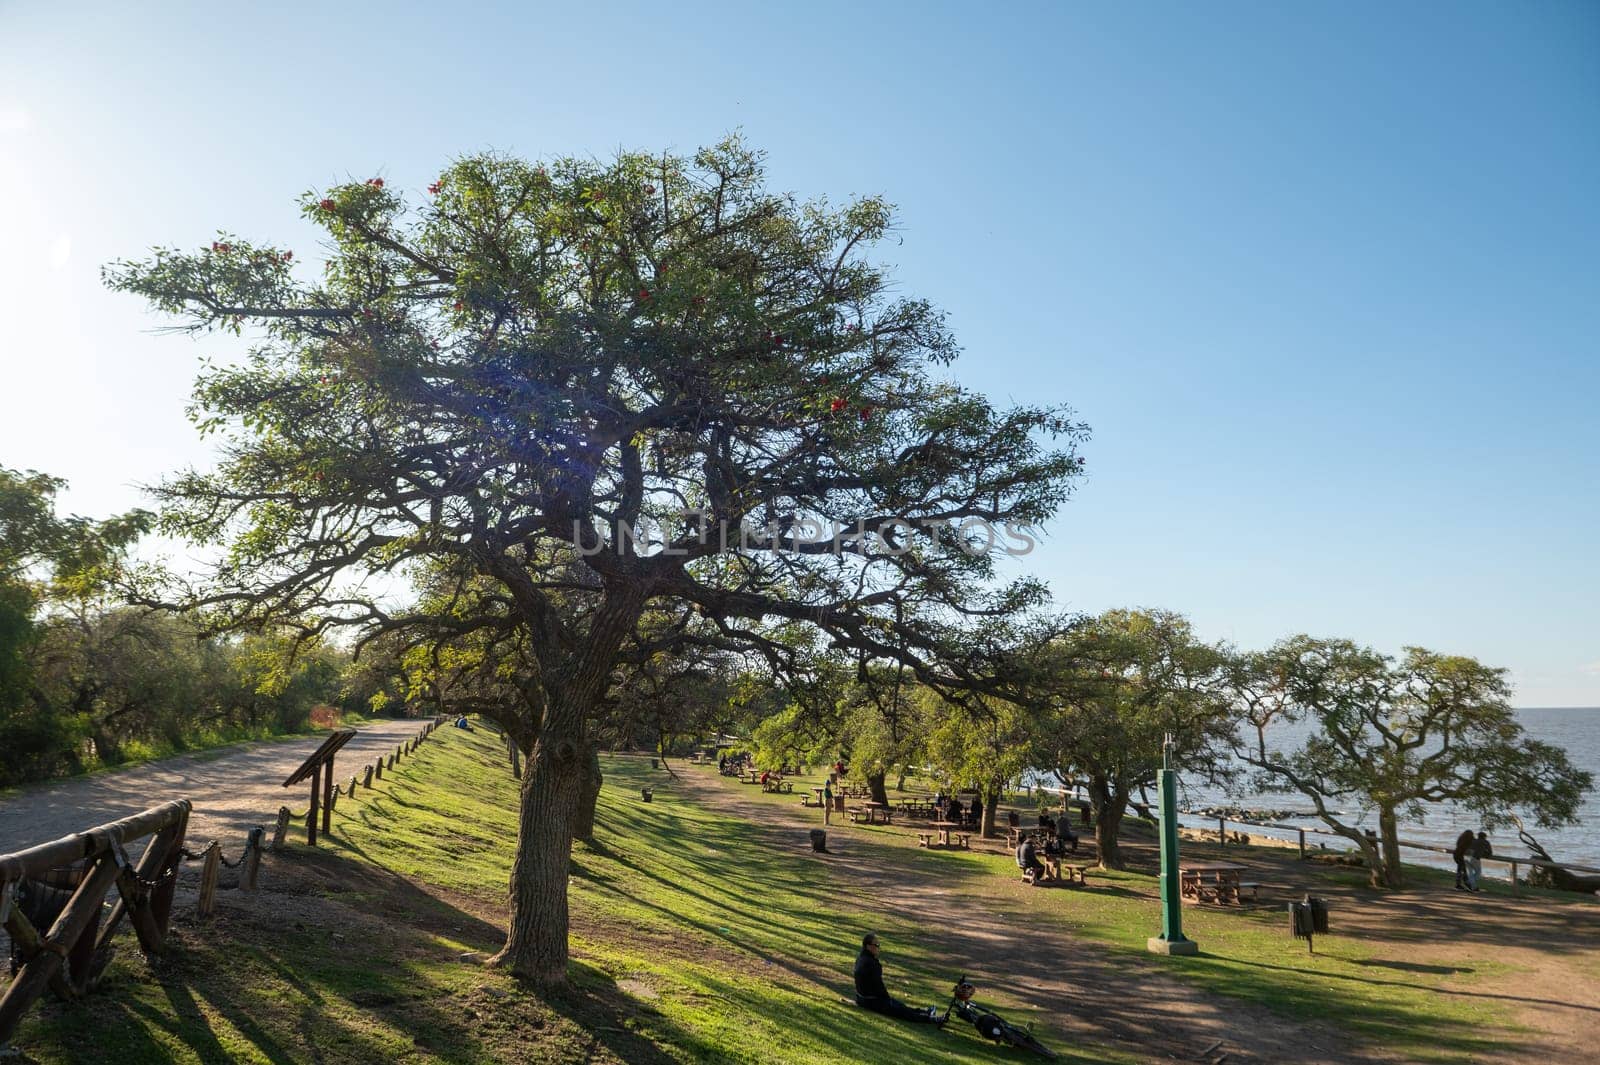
point(64, 883)
point(62, 886)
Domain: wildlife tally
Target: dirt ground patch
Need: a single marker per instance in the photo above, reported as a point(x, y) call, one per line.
point(232, 789)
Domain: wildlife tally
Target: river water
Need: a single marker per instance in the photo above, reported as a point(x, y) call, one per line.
point(1574, 729)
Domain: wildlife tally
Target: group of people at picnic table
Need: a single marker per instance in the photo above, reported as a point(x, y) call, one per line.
point(1056, 842)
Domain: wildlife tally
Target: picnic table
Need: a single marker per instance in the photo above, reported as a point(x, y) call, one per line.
point(871, 811)
point(1211, 881)
point(751, 776)
point(940, 836)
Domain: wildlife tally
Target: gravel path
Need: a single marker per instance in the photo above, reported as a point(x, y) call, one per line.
point(232, 789)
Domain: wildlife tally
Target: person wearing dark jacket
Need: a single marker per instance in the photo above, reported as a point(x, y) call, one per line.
point(1462, 851)
point(1479, 850)
point(872, 995)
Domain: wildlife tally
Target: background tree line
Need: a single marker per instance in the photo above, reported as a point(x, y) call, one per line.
point(1101, 703)
point(89, 680)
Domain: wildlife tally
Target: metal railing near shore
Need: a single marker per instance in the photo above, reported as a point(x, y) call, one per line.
point(1516, 863)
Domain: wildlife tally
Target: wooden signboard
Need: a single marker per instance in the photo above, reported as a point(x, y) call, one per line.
point(320, 765)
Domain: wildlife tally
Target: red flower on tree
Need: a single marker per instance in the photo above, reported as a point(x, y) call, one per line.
point(326, 205)
point(866, 413)
point(459, 305)
point(435, 187)
point(644, 295)
point(837, 405)
point(287, 256)
point(376, 182)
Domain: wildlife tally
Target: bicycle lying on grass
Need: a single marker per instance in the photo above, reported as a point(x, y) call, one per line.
point(990, 1024)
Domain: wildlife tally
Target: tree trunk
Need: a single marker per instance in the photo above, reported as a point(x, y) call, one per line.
point(1389, 868)
point(1106, 807)
point(106, 748)
point(991, 805)
point(552, 789)
point(552, 793)
point(875, 785)
point(588, 797)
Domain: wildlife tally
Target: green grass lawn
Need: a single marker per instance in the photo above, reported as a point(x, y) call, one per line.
point(694, 940)
point(1372, 989)
point(691, 943)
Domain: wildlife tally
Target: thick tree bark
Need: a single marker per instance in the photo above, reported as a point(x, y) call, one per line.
point(1106, 806)
point(1388, 873)
point(588, 797)
point(991, 805)
point(552, 787)
point(552, 793)
point(875, 785)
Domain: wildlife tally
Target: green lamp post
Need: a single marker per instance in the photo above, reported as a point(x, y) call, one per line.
point(1171, 940)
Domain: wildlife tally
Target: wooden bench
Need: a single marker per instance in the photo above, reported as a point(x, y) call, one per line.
point(859, 814)
point(963, 840)
point(924, 839)
point(1252, 888)
point(810, 800)
point(1075, 874)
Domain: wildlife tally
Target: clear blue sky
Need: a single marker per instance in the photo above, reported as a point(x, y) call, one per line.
point(1323, 277)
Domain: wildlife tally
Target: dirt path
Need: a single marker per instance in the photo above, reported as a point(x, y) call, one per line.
point(232, 789)
point(1084, 988)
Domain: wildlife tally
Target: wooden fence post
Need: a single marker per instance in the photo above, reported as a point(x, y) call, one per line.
point(377, 770)
point(1222, 832)
point(209, 869)
point(327, 795)
point(366, 777)
point(1302, 843)
point(282, 828)
point(391, 763)
point(252, 860)
point(316, 806)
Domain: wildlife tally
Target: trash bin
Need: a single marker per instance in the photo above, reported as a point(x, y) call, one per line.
point(1308, 917)
point(645, 794)
point(655, 763)
point(819, 840)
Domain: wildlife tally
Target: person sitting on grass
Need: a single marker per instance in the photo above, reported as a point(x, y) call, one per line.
point(872, 995)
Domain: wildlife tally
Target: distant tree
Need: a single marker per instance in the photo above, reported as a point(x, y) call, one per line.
point(1109, 692)
point(45, 558)
point(979, 742)
point(1395, 737)
point(545, 359)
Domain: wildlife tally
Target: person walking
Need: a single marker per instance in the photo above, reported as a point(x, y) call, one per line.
point(827, 801)
point(1463, 849)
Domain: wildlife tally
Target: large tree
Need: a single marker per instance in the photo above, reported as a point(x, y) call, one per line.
point(1109, 692)
point(1394, 737)
point(542, 359)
